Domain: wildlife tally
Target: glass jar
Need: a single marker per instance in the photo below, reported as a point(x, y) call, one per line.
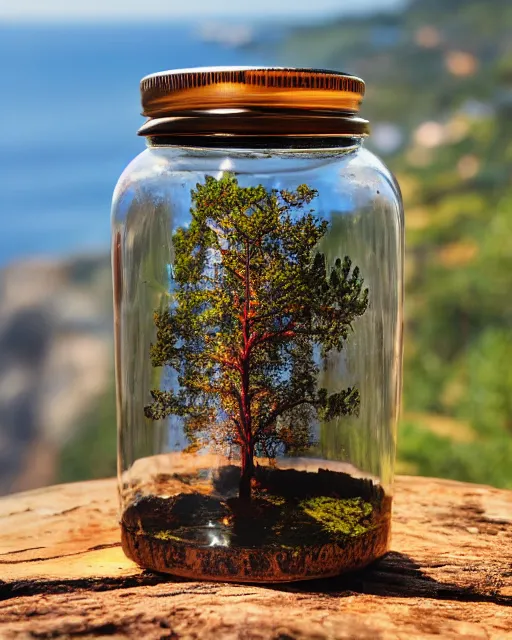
point(257, 259)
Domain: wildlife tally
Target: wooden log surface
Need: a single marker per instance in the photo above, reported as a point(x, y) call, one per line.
point(449, 575)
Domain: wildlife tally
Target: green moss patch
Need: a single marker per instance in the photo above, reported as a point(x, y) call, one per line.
point(166, 535)
point(349, 517)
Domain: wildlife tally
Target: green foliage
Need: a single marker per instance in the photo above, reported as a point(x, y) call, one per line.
point(484, 461)
point(92, 452)
point(253, 299)
point(347, 517)
point(488, 378)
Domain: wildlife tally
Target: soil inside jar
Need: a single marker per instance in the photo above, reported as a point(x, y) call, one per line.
point(297, 525)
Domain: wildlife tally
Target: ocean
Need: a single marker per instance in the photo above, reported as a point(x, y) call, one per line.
point(69, 112)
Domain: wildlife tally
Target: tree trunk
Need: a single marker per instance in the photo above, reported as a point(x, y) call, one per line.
point(247, 472)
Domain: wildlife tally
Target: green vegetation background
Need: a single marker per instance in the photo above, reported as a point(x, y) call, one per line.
point(450, 63)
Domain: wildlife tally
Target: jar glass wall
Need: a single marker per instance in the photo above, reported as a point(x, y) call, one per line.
point(258, 319)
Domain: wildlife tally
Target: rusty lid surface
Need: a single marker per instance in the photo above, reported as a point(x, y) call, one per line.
point(204, 88)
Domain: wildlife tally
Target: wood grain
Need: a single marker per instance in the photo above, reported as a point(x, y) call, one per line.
point(63, 575)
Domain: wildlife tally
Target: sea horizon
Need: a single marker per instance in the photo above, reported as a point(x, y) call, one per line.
point(68, 128)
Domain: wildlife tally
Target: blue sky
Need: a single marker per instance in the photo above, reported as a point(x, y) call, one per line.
point(51, 10)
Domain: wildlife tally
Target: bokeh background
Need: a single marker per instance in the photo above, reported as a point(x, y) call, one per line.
point(439, 79)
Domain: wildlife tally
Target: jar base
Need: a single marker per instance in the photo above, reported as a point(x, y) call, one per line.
point(254, 565)
point(296, 526)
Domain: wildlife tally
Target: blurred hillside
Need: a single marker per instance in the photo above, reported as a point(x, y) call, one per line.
point(439, 78)
point(55, 341)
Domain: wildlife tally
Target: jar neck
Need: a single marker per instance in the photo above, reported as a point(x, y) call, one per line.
point(256, 129)
point(259, 143)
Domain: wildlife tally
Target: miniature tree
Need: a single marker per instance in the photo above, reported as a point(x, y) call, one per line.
point(254, 308)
